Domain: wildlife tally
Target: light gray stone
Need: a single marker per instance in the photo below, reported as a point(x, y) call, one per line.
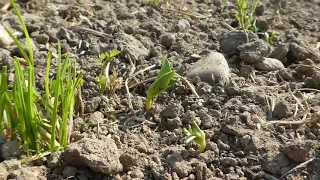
point(213, 65)
point(99, 155)
point(269, 64)
point(5, 39)
point(253, 52)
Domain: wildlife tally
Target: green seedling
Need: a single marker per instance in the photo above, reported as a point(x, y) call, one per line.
point(269, 37)
point(194, 133)
point(165, 79)
point(245, 13)
point(103, 80)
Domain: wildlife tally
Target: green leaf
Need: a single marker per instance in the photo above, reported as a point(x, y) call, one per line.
point(165, 68)
point(114, 53)
point(102, 56)
point(160, 85)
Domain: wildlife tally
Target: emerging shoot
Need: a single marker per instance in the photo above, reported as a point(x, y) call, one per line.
point(197, 135)
point(165, 79)
point(104, 79)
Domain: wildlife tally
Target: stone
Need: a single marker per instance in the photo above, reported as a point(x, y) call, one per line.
point(182, 25)
point(42, 38)
point(137, 173)
point(231, 40)
point(269, 64)
point(167, 40)
point(298, 50)
point(260, 9)
point(253, 52)
point(280, 52)
point(300, 151)
point(228, 161)
point(281, 109)
point(69, 171)
point(132, 47)
point(212, 68)
point(10, 149)
point(223, 146)
point(5, 39)
point(100, 155)
point(92, 105)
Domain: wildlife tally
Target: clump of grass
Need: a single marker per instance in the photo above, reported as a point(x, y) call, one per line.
point(106, 82)
point(165, 79)
point(194, 133)
point(40, 121)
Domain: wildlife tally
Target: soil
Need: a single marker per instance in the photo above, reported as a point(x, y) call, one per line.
point(257, 108)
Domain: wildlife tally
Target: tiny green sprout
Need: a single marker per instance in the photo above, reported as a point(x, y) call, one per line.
point(197, 135)
point(165, 79)
point(104, 80)
point(270, 38)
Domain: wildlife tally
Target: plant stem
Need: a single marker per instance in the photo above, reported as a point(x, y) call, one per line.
point(148, 104)
point(203, 144)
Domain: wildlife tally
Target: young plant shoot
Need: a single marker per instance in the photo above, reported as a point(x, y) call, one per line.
point(194, 133)
point(104, 79)
point(165, 79)
point(40, 121)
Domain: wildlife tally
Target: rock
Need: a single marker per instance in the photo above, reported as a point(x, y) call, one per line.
point(207, 156)
point(167, 40)
point(300, 51)
point(228, 161)
point(182, 25)
point(5, 39)
point(286, 74)
point(280, 52)
point(92, 105)
point(203, 172)
point(178, 165)
point(262, 24)
point(253, 52)
point(137, 173)
point(10, 149)
point(69, 171)
point(260, 9)
point(42, 38)
point(300, 151)
point(282, 109)
point(153, 26)
point(269, 64)
point(96, 117)
point(214, 65)
point(182, 168)
point(223, 146)
point(99, 155)
point(174, 123)
point(132, 48)
point(231, 40)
